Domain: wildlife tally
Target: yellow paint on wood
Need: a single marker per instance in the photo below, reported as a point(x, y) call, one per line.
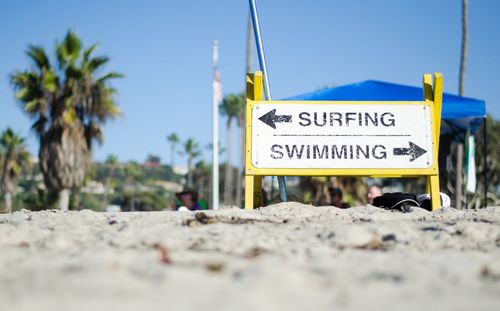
point(253, 191)
point(253, 183)
point(433, 181)
point(365, 172)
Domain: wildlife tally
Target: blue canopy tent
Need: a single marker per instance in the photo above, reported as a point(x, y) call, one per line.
point(459, 113)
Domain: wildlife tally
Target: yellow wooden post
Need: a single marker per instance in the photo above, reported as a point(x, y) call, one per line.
point(253, 191)
point(438, 103)
point(253, 183)
point(434, 93)
point(428, 97)
point(428, 92)
point(433, 180)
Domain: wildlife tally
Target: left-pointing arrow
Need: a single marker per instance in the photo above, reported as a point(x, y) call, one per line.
point(414, 151)
point(271, 118)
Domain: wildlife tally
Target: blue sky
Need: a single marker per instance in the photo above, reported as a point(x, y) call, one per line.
point(164, 49)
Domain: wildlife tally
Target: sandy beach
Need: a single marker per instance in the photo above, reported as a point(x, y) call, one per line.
point(283, 257)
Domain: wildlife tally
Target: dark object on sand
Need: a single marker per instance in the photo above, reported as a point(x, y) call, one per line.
point(424, 200)
point(397, 200)
point(426, 204)
point(200, 219)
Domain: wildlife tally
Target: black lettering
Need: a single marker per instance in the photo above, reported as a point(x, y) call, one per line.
point(374, 121)
point(351, 151)
point(317, 154)
point(294, 150)
point(335, 116)
point(365, 152)
point(276, 154)
point(349, 116)
point(302, 116)
point(390, 121)
point(316, 119)
point(337, 154)
point(379, 155)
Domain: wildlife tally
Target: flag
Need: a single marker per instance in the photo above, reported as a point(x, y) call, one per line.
point(471, 164)
point(217, 86)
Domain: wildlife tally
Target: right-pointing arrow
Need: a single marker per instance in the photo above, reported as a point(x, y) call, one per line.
point(414, 151)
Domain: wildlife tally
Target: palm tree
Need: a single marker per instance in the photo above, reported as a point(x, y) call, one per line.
point(153, 159)
point(210, 147)
point(173, 139)
point(191, 148)
point(14, 158)
point(111, 163)
point(133, 172)
point(240, 118)
point(231, 106)
point(69, 105)
point(202, 173)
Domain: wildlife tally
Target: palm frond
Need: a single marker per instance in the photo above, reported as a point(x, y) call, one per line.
point(72, 45)
point(96, 62)
point(173, 138)
point(24, 78)
point(93, 131)
point(50, 81)
point(32, 107)
point(68, 51)
point(111, 75)
point(38, 56)
point(73, 72)
point(88, 51)
point(61, 55)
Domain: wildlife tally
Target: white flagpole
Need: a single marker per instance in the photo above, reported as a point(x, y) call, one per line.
point(215, 138)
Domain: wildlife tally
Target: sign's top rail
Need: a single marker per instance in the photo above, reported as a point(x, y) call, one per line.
point(340, 102)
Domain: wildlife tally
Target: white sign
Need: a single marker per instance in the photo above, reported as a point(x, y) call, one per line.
point(341, 135)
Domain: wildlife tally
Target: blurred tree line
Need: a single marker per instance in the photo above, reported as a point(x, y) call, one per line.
point(151, 186)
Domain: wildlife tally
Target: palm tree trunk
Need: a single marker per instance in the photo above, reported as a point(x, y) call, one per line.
point(8, 202)
point(172, 154)
point(190, 171)
point(64, 159)
point(64, 200)
point(202, 187)
point(461, 88)
point(106, 190)
point(209, 190)
point(239, 183)
point(228, 200)
point(463, 54)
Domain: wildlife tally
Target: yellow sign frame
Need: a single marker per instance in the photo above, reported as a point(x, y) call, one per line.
point(433, 94)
